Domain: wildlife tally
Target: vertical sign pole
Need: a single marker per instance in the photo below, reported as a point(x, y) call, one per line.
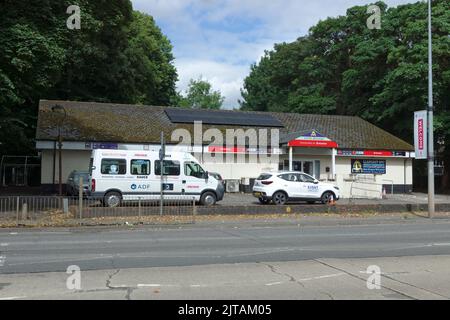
point(430, 120)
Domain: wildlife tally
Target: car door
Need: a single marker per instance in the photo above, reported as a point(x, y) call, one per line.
point(309, 189)
point(291, 184)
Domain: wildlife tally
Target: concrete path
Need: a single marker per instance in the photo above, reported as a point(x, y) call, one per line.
point(420, 277)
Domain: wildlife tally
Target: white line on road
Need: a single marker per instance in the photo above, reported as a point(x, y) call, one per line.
point(13, 298)
point(3, 244)
point(323, 277)
point(273, 283)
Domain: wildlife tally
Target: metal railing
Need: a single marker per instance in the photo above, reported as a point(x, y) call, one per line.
point(55, 210)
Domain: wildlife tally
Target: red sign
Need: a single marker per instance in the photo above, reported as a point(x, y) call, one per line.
point(226, 149)
point(420, 133)
point(313, 143)
point(378, 153)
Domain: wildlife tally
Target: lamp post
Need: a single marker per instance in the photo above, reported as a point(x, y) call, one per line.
point(60, 109)
point(430, 155)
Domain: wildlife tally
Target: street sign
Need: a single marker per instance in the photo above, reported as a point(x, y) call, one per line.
point(420, 134)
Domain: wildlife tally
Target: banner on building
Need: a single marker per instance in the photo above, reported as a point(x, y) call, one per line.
point(420, 134)
point(368, 166)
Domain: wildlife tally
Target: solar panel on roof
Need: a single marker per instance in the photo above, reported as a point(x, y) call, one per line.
point(223, 118)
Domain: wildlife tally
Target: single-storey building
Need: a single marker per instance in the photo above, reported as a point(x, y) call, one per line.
point(359, 157)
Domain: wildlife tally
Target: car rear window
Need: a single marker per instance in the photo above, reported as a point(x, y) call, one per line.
point(264, 176)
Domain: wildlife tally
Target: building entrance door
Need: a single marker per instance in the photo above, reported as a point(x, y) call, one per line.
point(308, 167)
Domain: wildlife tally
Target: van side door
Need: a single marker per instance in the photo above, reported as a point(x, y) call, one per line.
point(172, 177)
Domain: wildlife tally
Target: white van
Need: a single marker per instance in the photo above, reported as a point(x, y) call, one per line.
point(126, 175)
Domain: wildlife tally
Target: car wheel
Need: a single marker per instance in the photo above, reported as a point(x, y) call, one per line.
point(208, 199)
point(264, 200)
point(326, 197)
point(279, 198)
point(112, 199)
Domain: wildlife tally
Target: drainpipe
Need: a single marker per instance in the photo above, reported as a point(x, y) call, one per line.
point(333, 163)
point(290, 158)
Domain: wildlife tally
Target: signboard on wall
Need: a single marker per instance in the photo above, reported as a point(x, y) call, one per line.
point(368, 166)
point(420, 134)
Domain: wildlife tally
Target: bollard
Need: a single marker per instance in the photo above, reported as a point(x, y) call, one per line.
point(194, 209)
point(17, 210)
point(65, 205)
point(139, 210)
point(24, 211)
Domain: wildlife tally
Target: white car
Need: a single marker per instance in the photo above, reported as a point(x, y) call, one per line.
point(280, 187)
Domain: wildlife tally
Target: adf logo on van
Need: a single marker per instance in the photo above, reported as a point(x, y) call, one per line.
point(140, 186)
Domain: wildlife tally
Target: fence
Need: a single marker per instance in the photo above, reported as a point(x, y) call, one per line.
point(54, 211)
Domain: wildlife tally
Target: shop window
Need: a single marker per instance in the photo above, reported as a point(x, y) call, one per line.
point(114, 166)
point(140, 167)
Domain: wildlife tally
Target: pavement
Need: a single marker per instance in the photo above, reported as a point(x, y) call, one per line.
point(233, 260)
point(401, 278)
point(243, 199)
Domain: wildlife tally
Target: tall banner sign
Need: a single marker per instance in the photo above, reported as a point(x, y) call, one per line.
point(420, 134)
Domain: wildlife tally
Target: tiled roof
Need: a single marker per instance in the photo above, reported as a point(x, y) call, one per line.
point(108, 122)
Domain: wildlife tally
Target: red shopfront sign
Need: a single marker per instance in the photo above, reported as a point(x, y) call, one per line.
point(213, 149)
point(312, 143)
point(372, 153)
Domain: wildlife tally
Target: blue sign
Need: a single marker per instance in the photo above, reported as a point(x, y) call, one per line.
point(368, 166)
point(98, 145)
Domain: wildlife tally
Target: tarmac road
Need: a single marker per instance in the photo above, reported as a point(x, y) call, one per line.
point(27, 251)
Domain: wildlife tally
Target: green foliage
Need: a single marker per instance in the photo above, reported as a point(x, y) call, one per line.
point(199, 95)
point(118, 55)
point(343, 67)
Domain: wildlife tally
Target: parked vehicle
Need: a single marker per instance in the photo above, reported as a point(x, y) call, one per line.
point(73, 183)
point(281, 187)
point(123, 175)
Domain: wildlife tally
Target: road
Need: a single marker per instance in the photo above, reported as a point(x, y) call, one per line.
point(229, 261)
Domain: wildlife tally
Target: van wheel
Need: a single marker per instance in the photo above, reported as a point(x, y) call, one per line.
point(208, 199)
point(112, 199)
point(279, 198)
point(326, 197)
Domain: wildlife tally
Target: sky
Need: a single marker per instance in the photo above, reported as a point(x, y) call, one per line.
point(218, 40)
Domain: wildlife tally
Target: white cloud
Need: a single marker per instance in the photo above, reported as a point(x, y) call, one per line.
point(223, 76)
point(219, 39)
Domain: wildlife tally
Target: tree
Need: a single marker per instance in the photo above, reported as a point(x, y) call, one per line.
point(199, 95)
point(118, 55)
point(343, 67)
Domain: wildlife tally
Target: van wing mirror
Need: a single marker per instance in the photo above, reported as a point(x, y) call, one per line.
point(316, 181)
point(206, 175)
